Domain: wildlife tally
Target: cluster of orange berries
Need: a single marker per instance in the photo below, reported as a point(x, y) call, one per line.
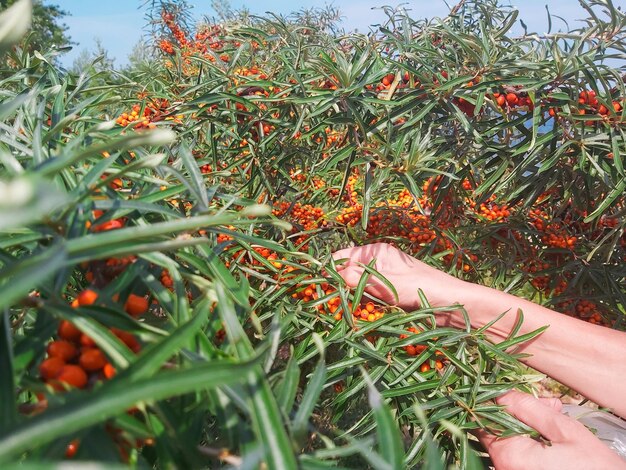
point(489, 210)
point(178, 34)
point(350, 215)
point(316, 183)
point(146, 118)
point(538, 281)
point(304, 218)
point(395, 220)
point(208, 168)
point(351, 194)
point(417, 349)
point(386, 82)
point(330, 83)
point(462, 257)
point(512, 99)
point(589, 104)
point(252, 71)
point(583, 309)
point(405, 217)
point(268, 254)
point(308, 292)
point(74, 360)
point(557, 237)
point(204, 40)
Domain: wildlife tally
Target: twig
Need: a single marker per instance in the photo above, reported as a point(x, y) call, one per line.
point(221, 454)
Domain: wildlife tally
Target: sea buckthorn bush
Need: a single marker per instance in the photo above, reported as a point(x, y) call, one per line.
point(167, 290)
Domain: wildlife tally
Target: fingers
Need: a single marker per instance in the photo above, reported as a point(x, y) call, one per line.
point(545, 418)
point(486, 439)
point(352, 275)
point(346, 253)
point(510, 452)
point(552, 403)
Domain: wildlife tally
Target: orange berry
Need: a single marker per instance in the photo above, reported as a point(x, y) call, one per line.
point(51, 367)
point(87, 297)
point(511, 98)
point(136, 305)
point(127, 338)
point(87, 341)
point(72, 448)
point(109, 371)
point(424, 367)
point(62, 349)
point(72, 375)
point(68, 331)
point(108, 225)
point(92, 360)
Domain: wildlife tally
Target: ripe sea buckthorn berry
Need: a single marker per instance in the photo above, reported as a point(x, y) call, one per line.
point(72, 375)
point(51, 368)
point(108, 225)
point(86, 341)
point(68, 331)
point(92, 360)
point(72, 448)
point(511, 98)
point(388, 79)
point(62, 349)
point(109, 371)
point(87, 297)
point(136, 305)
point(127, 338)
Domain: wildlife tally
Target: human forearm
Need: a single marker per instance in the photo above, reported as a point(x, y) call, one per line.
point(586, 357)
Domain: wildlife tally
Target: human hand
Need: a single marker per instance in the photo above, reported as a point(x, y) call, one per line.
point(404, 272)
point(572, 445)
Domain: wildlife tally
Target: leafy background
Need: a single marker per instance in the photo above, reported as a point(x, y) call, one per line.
point(257, 147)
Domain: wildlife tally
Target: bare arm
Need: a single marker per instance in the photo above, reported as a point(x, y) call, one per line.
point(583, 356)
point(589, 358)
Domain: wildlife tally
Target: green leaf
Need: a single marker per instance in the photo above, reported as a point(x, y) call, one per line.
point(28, 273)
point(309, 400)
point(288, 386)
point(8, 412)
point(387, 431)
point(14, 23)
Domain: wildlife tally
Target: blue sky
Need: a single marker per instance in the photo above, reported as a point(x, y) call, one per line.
point(119, 23)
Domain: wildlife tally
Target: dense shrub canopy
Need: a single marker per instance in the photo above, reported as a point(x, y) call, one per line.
point(166, 282)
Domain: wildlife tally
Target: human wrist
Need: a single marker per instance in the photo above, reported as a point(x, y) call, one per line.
point(481, 305)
